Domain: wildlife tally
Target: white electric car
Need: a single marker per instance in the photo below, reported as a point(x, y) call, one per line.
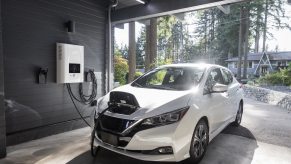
point(169, 114)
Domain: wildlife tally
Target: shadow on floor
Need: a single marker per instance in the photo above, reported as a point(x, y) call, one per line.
point(107, 157)
point(223, 149)
point(239, 131)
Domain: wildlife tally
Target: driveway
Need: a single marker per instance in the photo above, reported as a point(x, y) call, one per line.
point(263, 137)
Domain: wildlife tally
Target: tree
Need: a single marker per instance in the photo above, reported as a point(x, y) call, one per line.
point(246, 41)
point(120, 69)
point(217, 33)
point(165, 36)
point(264, 15)
point(140, 48)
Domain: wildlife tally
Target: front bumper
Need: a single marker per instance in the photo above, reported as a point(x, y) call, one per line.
point(135, 155)
point(177, 136)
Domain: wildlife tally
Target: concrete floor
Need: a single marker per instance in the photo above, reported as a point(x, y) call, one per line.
point(264, 137)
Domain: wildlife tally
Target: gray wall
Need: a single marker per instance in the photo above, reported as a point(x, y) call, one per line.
point(2, 111)
point(31, 29)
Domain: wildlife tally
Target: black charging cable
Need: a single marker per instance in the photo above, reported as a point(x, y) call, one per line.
point(89, 98)
point(76, 108)
point(84, 99)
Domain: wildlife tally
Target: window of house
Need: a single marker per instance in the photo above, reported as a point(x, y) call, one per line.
point(250, 64)
point(282, 63)
point(229, 65)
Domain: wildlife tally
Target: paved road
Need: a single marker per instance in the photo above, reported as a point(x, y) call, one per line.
point(264, 137)
point(265, 123)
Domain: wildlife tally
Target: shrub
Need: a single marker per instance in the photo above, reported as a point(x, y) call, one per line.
point(251, 83)
point(282, 77)
point(120, 69)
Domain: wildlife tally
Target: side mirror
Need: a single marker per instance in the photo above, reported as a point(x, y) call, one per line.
point(218, 88)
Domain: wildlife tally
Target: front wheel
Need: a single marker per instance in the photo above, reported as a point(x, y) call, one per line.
point(94, 149)
point(238, 115)
point(199, 142)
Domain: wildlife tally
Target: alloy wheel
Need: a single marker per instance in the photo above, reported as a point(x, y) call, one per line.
point(200, 141)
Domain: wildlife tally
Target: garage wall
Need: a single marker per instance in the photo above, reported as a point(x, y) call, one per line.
point(2, 111)
point(31, 28)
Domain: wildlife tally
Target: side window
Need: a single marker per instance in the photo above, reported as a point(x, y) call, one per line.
point(156, 78)
point(230, 76)
point(227, 76)
point(214, 77)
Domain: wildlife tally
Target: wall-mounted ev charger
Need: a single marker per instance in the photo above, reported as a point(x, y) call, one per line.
point(70, 69)
point(70, 63)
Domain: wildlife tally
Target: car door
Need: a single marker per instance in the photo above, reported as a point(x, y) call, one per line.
point(215, 103)
point(233, 87)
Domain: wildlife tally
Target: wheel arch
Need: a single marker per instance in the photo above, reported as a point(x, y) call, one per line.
point(241, 102)
point(206, 120)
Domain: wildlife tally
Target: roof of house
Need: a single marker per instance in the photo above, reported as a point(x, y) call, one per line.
point(286, 55)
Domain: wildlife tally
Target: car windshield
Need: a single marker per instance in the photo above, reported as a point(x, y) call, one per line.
point(171, 78)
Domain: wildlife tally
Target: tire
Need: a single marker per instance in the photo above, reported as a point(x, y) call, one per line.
point(238, 117)
point(199, 142)
point(94, 149)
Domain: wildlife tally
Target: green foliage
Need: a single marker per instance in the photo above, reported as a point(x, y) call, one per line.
point(251, 83)
point(158, 78)
point(137, 75)
point(140, 48)
point(166, 61)
point(218, 33)
point(281, 77)
point(165, 34)
point(121, 51)
point(120, 69)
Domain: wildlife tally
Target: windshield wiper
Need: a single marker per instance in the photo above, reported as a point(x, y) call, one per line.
point(137, 85)
point(160, 87)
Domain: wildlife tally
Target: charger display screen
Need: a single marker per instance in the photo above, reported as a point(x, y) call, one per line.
point(74, 68)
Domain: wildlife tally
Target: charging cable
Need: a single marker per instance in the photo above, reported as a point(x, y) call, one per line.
point(84, 99)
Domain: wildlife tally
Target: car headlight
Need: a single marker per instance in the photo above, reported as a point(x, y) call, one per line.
point(166, 118)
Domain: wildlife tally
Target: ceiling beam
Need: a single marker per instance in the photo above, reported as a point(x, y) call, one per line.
point(157, 8)
point(224, 9)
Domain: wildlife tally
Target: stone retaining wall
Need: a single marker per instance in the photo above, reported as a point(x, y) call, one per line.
point(268, 96)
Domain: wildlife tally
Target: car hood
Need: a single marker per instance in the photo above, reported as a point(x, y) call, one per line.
point(152, 102)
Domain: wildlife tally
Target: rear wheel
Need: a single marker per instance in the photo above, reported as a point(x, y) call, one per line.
point(199, 142)
point(238, 116)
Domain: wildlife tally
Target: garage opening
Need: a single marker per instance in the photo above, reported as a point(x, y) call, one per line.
point(123, 40)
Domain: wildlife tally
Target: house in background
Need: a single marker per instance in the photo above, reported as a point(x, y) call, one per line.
point(261, 63)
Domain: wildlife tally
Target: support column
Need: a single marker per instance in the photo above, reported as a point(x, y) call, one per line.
point(2, 109)
point(147, 49)
point(151, 44)
point(132, 52)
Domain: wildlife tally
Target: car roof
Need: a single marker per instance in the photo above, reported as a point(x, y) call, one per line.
point(201, 65)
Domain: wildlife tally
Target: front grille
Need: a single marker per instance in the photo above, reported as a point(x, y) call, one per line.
point(109, 130)
point(115, 125)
